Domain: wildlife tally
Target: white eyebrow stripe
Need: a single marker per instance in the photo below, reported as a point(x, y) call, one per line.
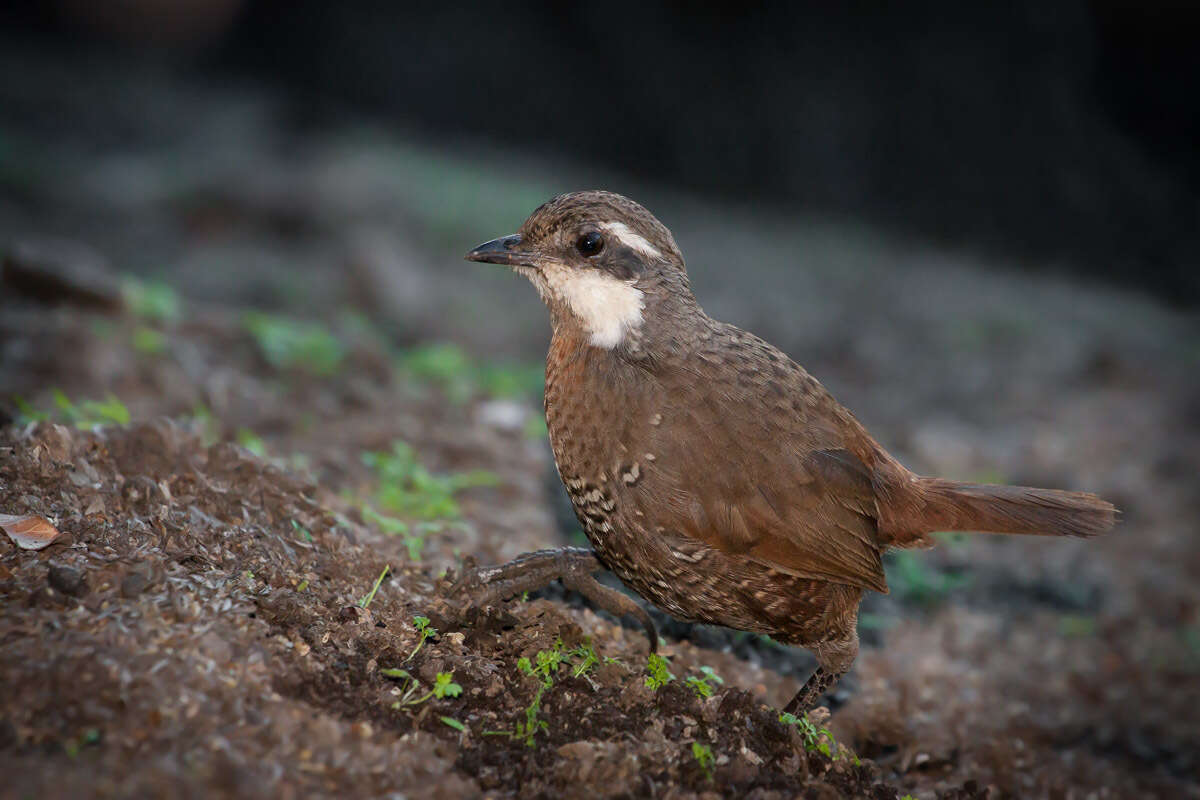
point(631, 238)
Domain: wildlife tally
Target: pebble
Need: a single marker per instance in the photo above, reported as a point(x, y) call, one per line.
point(67, 580)
point(134, 584)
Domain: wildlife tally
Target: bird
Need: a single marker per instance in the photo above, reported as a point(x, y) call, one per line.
point(709, 471)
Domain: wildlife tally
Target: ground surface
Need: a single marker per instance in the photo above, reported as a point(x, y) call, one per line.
point(196, 628)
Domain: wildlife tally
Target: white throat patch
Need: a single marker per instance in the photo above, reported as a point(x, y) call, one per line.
point(609, 308)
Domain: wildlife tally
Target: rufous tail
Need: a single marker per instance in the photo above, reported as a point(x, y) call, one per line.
point(955, 506)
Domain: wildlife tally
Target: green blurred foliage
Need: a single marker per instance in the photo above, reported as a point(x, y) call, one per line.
point(288, 344)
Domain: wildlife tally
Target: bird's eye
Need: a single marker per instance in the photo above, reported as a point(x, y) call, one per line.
point(590, 243)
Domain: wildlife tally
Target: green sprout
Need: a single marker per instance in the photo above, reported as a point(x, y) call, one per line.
point(88, 738)
point(817, 739)
point(544, 666)
point(659, 675)
point(418, 502)
point(527, 728)
point(252, 442)
point(407, 488)
point(587, 653)
point(548, 661)
point(289, 344)
point(151, 300)
point(700, 684)
point(447, 366)
point(444, 686)
point(425, 630)
point(85, 415)
point(367, 598)
point(532, 725)
point(148, 341)
point(704, 757)
point(304, 532)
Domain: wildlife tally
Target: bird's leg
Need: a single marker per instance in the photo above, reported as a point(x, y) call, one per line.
point(616, 603)
point(574, 565)
point(525, 573)
point(817, 684)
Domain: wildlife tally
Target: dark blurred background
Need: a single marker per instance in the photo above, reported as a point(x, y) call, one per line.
point(1059, 134)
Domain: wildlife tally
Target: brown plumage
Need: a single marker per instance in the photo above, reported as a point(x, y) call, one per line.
point(710, 472)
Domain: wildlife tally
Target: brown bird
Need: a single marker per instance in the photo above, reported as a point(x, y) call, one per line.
point(710, 472)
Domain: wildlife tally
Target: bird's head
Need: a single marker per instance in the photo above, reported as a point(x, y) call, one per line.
point(601, 262)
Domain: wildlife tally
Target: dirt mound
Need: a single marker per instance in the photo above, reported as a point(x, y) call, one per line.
point(202, 617)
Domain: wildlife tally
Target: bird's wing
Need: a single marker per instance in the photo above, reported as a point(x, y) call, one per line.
point(756, 464)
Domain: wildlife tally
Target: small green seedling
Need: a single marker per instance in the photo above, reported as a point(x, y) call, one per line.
point(659, 675)
point(453, 723)
point(369, 596)
point(443, 686)
point(702, 685)
point(252, 442)
point(88, 738)
point(1076, 625)
point(544, 666)
point(288, 344)
point(704, 757)
point(529, 728)
point(86, 414)
point(407, 488)
point(818, 739)
point(546, 663)
point(148, 341)
point(418, 503)
point(425, 630)
point(587, 653)
point(460, 378)
point(151, 300)
point(304, 532)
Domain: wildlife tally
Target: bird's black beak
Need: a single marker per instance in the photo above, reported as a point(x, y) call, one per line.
point(505, 250)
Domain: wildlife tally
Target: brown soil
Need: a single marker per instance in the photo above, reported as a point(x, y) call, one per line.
point(183, 636)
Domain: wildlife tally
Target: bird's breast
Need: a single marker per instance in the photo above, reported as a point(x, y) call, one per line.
point(600, 413)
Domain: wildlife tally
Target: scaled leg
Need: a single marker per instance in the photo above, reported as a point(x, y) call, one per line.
point(533, 571)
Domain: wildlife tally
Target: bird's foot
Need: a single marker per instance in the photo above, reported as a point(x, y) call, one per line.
point(481, 586)
point(817, 684)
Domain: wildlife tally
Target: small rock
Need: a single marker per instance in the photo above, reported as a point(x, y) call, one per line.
point(67, 580)
point(503, 415)
point(355, 615)
point(134, 584)
point(55, 439)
